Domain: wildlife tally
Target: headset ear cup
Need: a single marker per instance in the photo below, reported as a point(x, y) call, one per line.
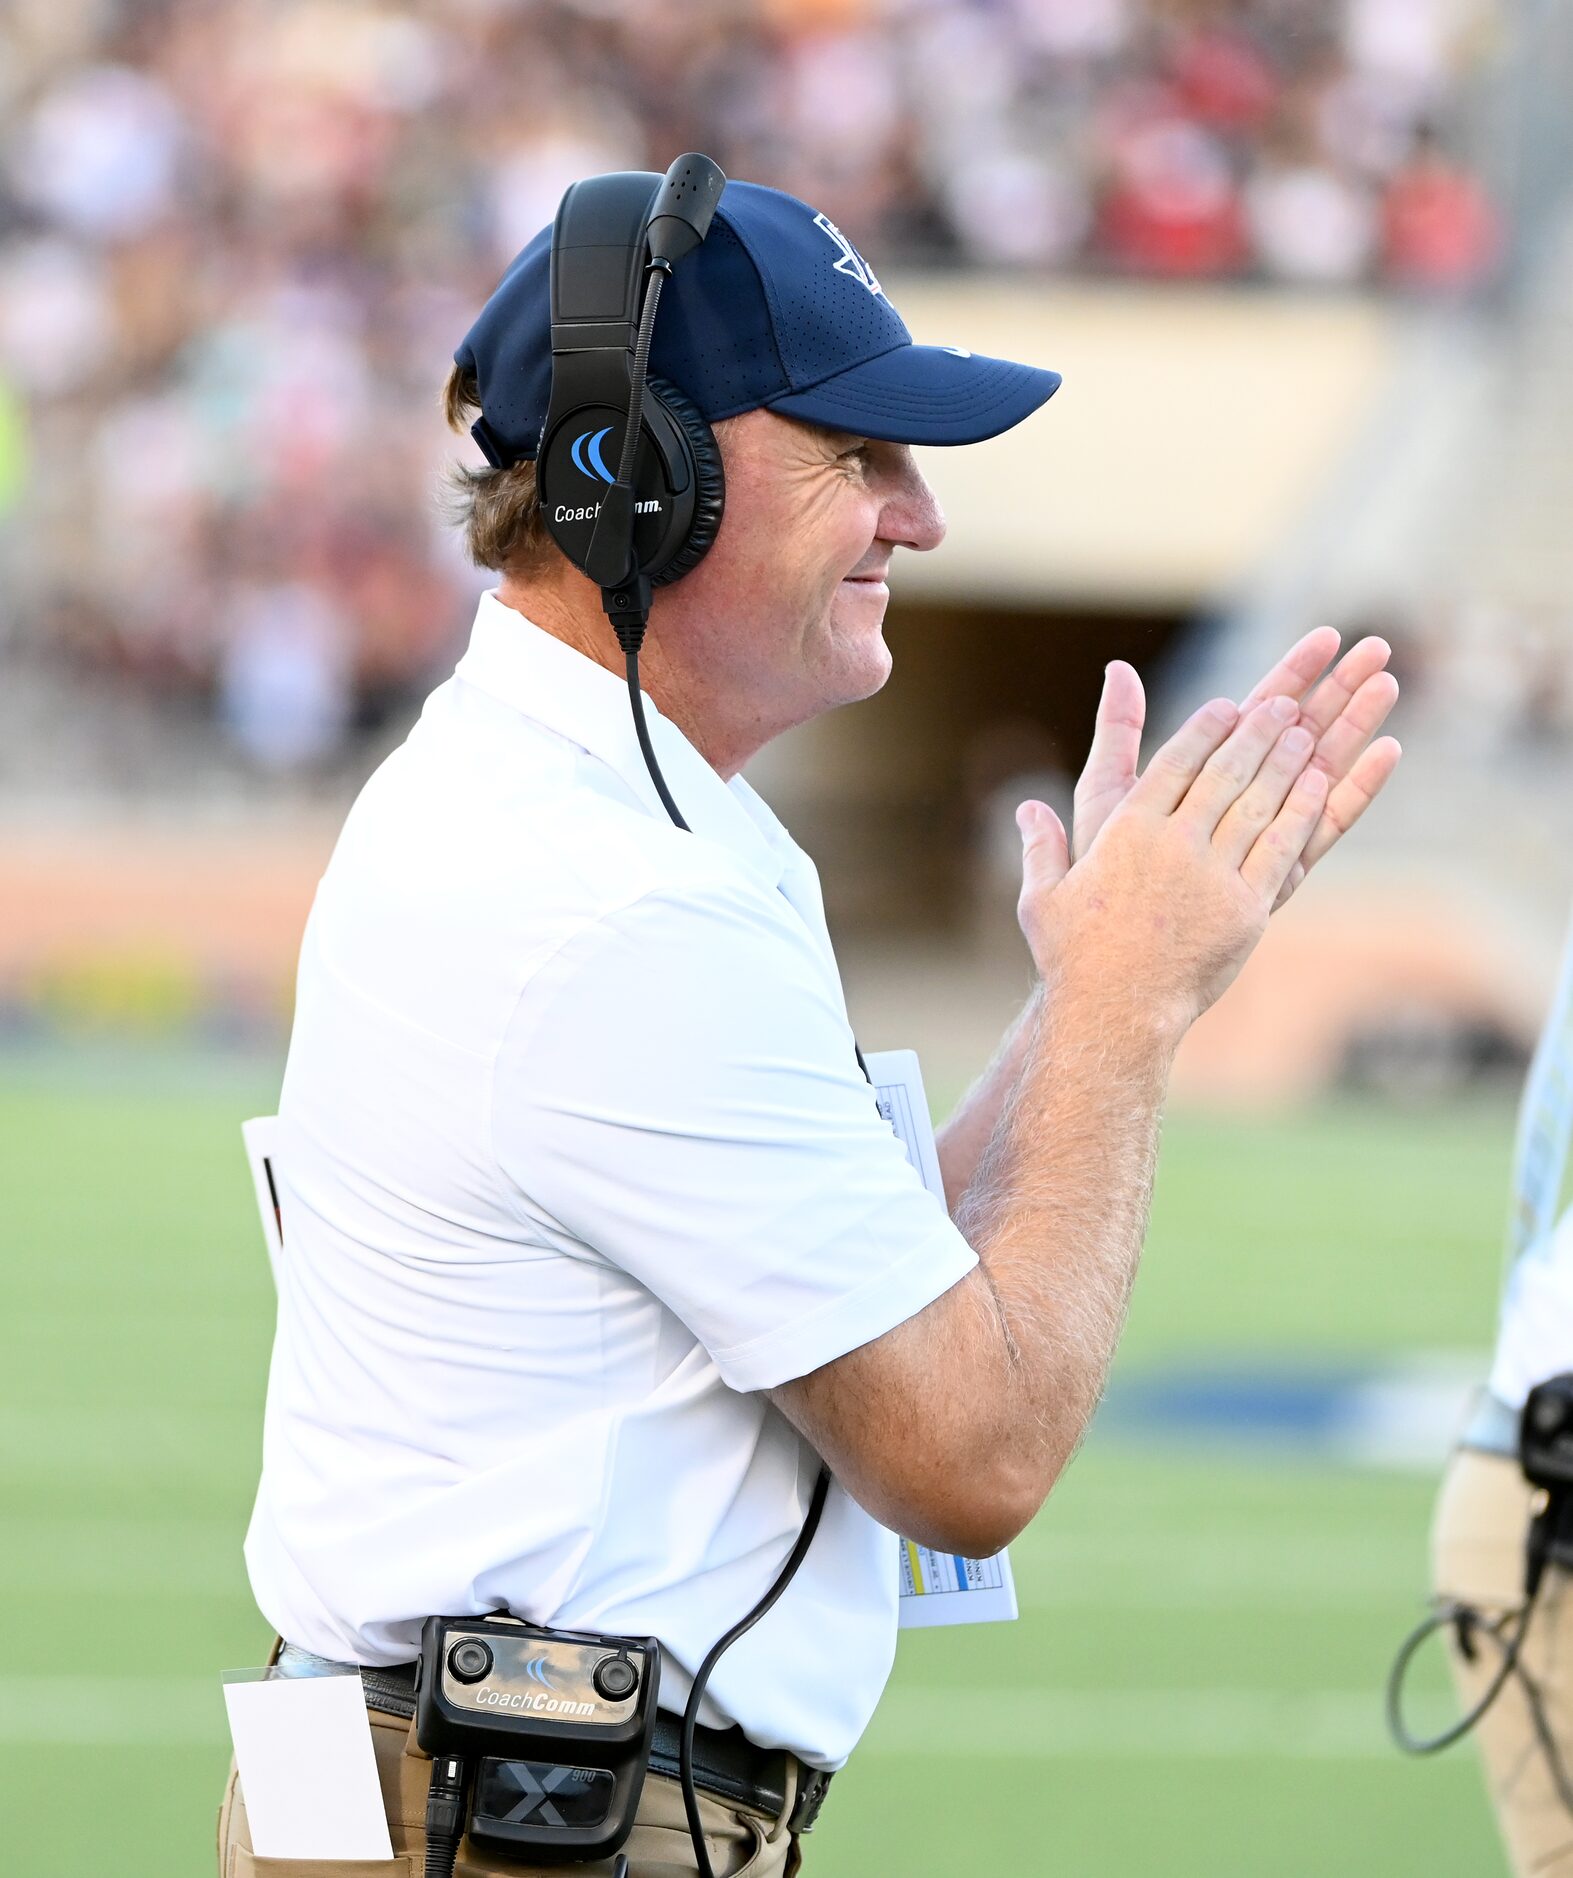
point(709, 480)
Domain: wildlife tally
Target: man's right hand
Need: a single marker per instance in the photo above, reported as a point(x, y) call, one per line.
point(953, 1426)
point(1175, 889)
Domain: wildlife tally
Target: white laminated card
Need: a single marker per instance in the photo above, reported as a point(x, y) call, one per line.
point(936, 1587)
point(945, 1588)
point(307, 1767)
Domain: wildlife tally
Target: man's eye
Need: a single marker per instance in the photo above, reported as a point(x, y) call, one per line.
point(858, 451)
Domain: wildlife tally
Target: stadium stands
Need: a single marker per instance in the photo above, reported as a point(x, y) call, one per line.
point(238, 240)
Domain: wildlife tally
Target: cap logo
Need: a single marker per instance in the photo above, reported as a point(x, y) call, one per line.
point(850, 262)
point(588, 443)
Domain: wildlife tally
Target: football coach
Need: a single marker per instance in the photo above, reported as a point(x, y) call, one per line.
point(595, 1245)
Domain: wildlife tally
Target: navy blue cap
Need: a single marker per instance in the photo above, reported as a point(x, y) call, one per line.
point(775, 308)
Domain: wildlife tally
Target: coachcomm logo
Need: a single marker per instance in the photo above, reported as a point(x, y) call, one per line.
point(548, 1704)
point(587, 445)
point(537, 1704)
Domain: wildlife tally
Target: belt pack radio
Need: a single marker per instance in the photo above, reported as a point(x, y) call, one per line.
point(556, 1725)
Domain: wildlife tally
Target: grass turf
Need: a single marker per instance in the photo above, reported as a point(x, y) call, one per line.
point(1193, 1687)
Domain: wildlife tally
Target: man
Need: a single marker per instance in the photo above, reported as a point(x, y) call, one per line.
point(594, 1241)
point(1486, 1505)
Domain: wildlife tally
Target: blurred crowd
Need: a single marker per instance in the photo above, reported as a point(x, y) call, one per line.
point(1498, 676)
point(239, 240)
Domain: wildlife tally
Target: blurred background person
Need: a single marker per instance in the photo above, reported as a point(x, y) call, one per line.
point(1487, 1505)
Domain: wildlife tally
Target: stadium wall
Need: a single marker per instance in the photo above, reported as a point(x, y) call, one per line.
point(1195, 430)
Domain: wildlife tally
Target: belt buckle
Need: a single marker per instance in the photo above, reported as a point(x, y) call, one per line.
point(813, 1784)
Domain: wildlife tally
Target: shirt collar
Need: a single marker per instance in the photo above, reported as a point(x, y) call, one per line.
point(514, 660)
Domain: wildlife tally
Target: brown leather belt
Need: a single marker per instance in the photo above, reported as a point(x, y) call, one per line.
point(726, 1763)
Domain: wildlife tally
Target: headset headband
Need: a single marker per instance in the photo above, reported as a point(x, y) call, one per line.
point(599, 247)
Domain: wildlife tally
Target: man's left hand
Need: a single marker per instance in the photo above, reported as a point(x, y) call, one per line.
point(1343, 712)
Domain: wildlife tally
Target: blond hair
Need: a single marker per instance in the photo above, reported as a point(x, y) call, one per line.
point(499, 510)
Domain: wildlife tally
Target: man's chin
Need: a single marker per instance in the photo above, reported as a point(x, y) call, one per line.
point(847, 656)
point(866, 673)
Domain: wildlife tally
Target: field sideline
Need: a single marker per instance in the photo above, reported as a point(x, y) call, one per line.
point(1192, 1689)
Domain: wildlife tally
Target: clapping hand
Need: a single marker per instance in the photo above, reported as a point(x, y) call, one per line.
point(1343, 712)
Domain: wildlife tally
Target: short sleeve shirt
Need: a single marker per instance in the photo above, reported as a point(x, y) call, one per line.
point(575, 1160)
point(1535, 1333)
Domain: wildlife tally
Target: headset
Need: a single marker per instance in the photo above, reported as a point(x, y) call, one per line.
point(615, 243)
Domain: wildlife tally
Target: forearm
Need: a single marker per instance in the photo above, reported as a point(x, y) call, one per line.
point(963, 1139)
point(1057, 1211)
point(955, 1423)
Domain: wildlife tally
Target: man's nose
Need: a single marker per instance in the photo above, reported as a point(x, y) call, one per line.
point(912, 517)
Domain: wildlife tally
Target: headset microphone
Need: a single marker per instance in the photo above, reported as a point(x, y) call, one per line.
point(679, 221)
point(684, 205)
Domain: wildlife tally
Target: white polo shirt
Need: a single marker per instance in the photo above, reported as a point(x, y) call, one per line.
point(576, 1158)
point(1535, 1331)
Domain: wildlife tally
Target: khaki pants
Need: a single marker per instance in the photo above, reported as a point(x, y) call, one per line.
point(739, 1839)
point(1478, 1558)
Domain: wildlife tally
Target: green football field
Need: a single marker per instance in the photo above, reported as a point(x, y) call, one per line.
point(1193, 1687)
